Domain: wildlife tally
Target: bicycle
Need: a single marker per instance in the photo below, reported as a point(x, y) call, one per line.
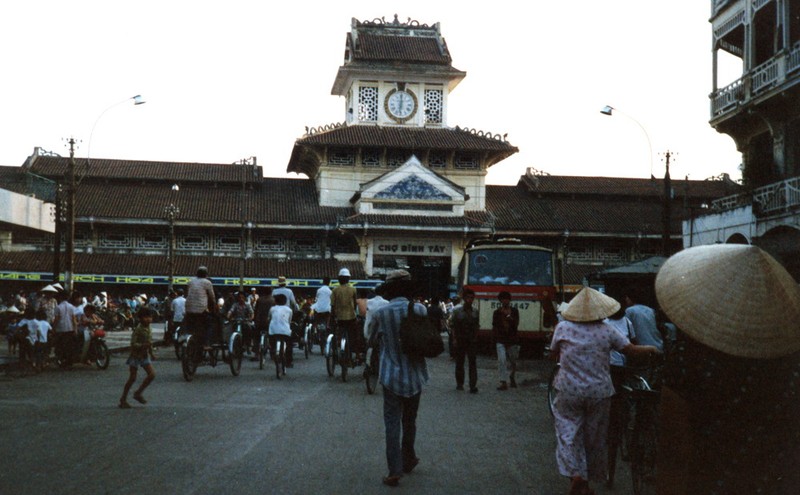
point(644, 440)
point(620, 420)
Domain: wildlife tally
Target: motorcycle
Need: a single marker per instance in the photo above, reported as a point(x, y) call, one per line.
point(93, 349)
point(178, 337)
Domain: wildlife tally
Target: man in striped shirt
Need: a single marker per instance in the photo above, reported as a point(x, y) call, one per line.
point(402, 378)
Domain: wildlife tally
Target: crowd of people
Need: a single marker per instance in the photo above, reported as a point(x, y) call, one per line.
point(726, 330)
point(49, 320)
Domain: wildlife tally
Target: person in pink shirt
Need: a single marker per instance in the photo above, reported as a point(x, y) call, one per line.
point(582, 343)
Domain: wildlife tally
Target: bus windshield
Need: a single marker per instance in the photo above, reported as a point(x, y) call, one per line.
point(510, 267)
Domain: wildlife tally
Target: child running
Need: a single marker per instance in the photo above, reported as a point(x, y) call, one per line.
point(141, 355)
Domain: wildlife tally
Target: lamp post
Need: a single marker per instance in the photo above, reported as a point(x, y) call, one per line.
point(244, 163)
point(608, 110)
point(666, 214)
point(171, 211)
point(72, 185)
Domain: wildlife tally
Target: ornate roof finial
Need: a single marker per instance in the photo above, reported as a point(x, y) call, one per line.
point(396, 22)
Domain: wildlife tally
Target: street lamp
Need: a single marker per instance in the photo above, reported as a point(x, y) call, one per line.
point(666, 213)
point(171, 211)
point(72, 185)
point(608, 110)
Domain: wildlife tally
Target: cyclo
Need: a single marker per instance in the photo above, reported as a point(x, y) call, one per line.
point(339, 350)
point(225, 345)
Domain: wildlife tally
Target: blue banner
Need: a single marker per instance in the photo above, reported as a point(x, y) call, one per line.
point(300, 283)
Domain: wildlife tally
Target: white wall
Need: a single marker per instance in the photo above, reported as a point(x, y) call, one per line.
point(18, 209)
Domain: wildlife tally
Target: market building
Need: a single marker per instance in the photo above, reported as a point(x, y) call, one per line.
point(393, 185)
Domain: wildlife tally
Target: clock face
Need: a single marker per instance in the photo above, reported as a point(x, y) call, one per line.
point(401, 105)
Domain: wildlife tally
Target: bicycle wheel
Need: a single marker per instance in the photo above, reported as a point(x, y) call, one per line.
point(551, 389)
point(344, 357)
point(237, 352)
point(189, 359)
point(330, 355)
point(102, 358)
point(307, 338)
point(262, 350)
point(644, 442)
point(371, 370)
point(280, 354)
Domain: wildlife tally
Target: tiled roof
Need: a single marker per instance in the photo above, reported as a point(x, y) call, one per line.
point(185, 266)
point(55, 167)
point(409, 138)
point(576, 185)
point(413, 49)
point(515, 210)
point(274, 201)
point(404, 138)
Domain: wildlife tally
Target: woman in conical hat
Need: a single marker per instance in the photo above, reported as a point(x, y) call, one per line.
point(730, 402)
point(582, 343)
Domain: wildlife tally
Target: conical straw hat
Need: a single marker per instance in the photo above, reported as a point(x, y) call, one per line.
point(562, 307)
point(734, 298)
point(590, 305)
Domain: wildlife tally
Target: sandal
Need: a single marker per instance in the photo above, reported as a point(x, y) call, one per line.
point(138, 398)
point(391, 480)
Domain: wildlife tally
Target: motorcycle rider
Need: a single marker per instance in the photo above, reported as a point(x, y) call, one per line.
point(87, 323)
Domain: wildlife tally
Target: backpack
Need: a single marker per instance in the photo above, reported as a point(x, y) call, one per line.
point(418, 336)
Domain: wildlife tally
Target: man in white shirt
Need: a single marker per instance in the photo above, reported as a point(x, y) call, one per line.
point(178, 309)
point(200, 306)
point(66, 329)
point(322, 304)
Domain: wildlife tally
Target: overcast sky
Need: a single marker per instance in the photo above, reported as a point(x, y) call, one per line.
point(227, 80)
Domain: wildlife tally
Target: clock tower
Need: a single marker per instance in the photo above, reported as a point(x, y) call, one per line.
point(396, 74)
point(408, 188)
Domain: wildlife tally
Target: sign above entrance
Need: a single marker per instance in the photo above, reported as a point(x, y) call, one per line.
point(390, 247)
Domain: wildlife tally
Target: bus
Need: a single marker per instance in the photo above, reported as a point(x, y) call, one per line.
point(527, 272)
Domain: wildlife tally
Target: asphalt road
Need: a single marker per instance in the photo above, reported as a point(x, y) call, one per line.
point(304, 434)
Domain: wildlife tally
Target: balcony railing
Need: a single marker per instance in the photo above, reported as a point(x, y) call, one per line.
point(765, 77)
point(771, 199)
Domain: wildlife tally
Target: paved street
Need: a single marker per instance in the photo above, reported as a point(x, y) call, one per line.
point(253, 433)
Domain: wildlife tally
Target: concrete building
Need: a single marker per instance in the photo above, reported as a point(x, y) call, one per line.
point(760, 111)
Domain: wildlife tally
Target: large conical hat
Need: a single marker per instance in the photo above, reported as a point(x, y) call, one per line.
point(590, 305)
point(734, 298)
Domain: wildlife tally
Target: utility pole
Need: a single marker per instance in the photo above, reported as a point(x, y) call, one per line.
point(61, 219)
point(69, 270)
point(666, 209)
point(171, 210)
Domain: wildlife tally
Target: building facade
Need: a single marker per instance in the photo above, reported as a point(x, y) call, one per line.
point(760, 111)
point(391, 186)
